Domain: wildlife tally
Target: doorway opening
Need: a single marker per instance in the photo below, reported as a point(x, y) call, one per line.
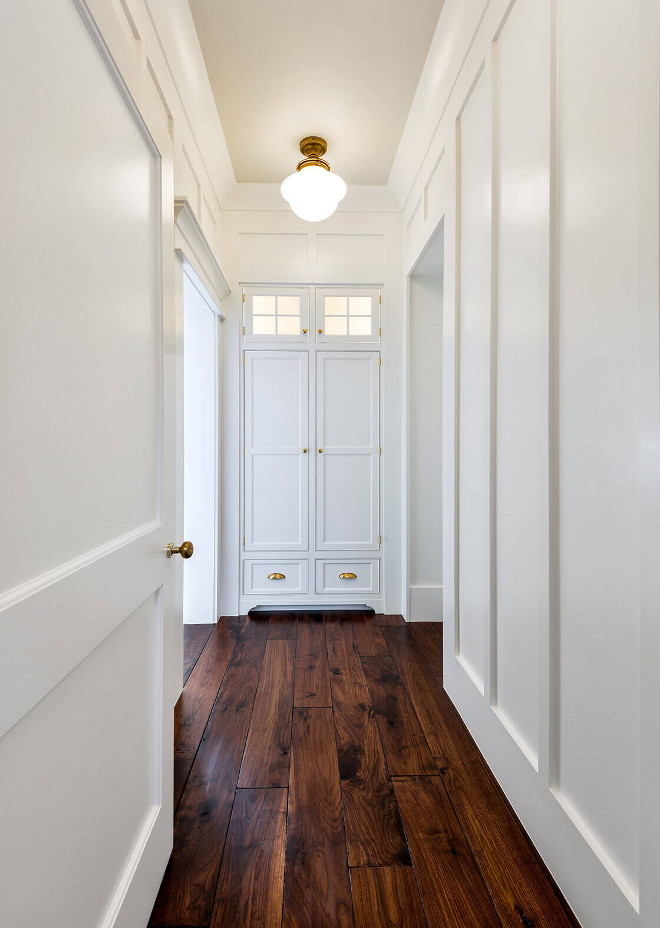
point(424, 536)
point(201, 320)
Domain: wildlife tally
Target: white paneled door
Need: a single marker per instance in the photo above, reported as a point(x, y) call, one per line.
point(347, 424)
point(276, 451)
point(88, 611)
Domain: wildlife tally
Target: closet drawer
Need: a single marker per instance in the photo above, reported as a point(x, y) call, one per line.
point(360, 576)
point(275, 576)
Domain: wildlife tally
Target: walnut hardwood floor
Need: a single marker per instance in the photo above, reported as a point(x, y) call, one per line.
point(325, 780)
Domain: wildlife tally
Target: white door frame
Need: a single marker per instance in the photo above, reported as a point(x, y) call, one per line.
point(197, 261)
point(195, 281)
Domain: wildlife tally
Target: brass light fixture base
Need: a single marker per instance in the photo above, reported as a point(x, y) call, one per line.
point(313, 147)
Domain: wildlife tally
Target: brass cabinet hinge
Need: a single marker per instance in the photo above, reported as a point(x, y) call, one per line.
point(243, 540)
point(380, 450)
point(379, 540)
point(243, 330)
point(380, 331)
point(244, 296)
point(380, 298)
point(380, 361)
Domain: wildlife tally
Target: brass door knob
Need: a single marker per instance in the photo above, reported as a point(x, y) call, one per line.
point(320, 331)
point(185, 550)
point(304, 331)
point(304, 450)
point(320, 450)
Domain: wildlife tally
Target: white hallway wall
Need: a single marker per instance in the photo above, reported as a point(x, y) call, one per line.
point(538, 120)
point(262, 242)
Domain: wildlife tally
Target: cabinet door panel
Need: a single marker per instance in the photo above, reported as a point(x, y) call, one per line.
point(276, 467)
point(347, 488)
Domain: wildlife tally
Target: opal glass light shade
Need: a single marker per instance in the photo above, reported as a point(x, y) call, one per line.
point(313, 193)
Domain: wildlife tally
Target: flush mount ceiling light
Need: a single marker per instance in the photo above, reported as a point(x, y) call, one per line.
point(313, 192)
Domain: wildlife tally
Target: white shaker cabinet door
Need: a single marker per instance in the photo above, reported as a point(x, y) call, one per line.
point(347, 452)
point(276, 451)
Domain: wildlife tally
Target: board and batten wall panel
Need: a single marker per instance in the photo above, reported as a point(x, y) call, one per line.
point(598, 464)
point(551, 435)
point(473, 133)
point(522, 145)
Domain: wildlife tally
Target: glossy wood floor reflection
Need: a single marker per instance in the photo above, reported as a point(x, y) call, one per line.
point(323, 778)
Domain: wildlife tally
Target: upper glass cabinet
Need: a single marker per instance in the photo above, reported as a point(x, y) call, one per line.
point(275, 314)
point(347, 315)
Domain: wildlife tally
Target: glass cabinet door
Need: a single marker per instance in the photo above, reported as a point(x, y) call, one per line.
point(275, 314)
point(348, 315)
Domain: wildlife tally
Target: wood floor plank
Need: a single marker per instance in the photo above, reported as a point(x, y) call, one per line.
point(406, 750)
point(386, 897)
point(268, 749)
point(369, 639)
point(373, 828)
point(428, 636)
point(194, 639)
point(316, 886)
point(452, 890)
point(312, 685)
point(251, 883)
point(521, 888)
point(386, 621)
point(186, 894)
point(282, 625)
point(193, 707)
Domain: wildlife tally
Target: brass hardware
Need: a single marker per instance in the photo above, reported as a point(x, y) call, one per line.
point(276, 577)
point(380, 450)
point(379, 539)
point(304, 450)
point(320, 450)
point(379, 331)
point(312, 147)
point(243, 330)
point(380, 361)
point(185, 550)
point(244, 296)
point(320, 331)
point(348, 576)
point(304, 331)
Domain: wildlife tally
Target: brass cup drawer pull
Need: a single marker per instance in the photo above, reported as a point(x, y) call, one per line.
point(276, 577)
point(348, 576)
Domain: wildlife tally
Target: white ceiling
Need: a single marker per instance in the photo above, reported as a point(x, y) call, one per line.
point(343, 69)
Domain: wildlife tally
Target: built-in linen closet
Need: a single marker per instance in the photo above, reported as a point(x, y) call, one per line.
point(311, 499)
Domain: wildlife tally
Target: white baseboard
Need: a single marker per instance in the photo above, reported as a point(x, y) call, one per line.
point(425, 604)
